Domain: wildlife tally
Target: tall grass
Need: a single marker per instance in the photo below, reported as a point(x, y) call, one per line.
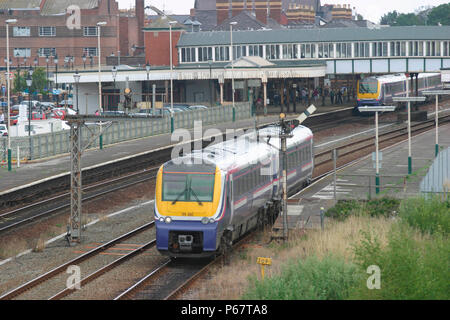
point(413, 265)
point(428, 215)
point(311, 279)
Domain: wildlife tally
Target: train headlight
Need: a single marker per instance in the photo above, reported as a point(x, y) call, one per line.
point(168, 220)
point(212, 220)
point(161, 219)
point(205, 220)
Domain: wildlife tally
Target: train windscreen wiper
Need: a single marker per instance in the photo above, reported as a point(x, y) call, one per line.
point(179, 196)
point(195, 195)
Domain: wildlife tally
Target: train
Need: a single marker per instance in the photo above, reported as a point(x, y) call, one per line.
point(206, 200)
point(379, 90)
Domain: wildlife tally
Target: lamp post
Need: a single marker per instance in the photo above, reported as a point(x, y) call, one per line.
point(30, 112)
point(8, 22)
point(77, 77)
point(377, 109)
point(232, 67)
point(47, 59)
point(409, 99)
point(147, 69)
point(171, 77)
point(436, 93)
point(114, 75)
point(99, 25)
point(210, 79)
point(56, 60)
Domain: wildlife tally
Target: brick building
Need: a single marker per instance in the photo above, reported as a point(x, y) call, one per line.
point(42, 30)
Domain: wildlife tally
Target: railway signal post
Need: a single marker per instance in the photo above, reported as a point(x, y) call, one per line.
point(437, 93)
point(286, 128)
point(409, 100)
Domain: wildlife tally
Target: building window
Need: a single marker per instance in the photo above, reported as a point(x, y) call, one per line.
point(272, 52)
point(307, 50)
point(90, 31)
point(44, 52)
point(21, 31)
point(90, 51)
point(205, 53)
point(222, 54)
point(289, 51)
point(446, 48)
point(47, 31)
point(255, 51)
point(361, 49)
point(22, 52)
point(324, 50)
point(379, 49)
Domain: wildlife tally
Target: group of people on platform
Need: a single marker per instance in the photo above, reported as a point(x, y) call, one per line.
point(305, 96)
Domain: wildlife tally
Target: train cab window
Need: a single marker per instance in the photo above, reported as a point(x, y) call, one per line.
point(186, 187)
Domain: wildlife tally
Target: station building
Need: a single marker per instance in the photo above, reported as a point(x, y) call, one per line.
point(270, 62)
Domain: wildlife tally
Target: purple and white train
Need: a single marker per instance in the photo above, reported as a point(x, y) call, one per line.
point(207, 199)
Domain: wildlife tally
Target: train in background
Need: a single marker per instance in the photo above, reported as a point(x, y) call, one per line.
point(379, 90)
point(207, 199)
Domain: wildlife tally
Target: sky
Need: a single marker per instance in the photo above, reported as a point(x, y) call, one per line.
point(372, 10)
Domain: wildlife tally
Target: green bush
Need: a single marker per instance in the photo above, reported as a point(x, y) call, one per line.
point(410, 268)
point(311, 279)
point(383, 207)
point(428, 215)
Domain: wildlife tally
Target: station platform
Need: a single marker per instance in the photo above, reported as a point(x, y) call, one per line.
point(46, 169)
point(357, 181)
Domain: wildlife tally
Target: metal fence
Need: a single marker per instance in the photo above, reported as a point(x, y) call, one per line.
point(437, 179)
point(56, 143)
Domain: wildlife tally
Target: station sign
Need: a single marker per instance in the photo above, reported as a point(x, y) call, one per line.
point(436, 92)
point(409, 99)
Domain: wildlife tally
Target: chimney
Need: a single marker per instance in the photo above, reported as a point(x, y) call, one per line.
point(140, 15)
point(222, 7)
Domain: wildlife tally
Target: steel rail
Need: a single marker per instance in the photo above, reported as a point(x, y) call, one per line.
point(62, 268)
point(99, 272)
point(95, 194)
point(127, 294)
point(386, 138)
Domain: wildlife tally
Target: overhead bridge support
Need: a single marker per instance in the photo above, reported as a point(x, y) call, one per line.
point(74, 228)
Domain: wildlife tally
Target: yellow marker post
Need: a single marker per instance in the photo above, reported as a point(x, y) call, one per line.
point(263, 262)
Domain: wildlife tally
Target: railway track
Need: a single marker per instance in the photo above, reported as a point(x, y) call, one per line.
point(54, 205)
point(80, 259)
point(177, 276)
point(46, 208)
point(362, 147)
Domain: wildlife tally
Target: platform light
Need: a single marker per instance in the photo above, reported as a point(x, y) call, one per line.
point(436, 93)
point(377, 109)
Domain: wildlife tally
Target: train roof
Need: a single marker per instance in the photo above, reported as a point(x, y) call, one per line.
point(246, 149)
point(388, 78)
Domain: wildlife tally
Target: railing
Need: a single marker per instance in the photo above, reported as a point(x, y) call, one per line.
point(55, 143)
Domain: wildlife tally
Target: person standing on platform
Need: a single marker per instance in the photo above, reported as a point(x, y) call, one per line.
point(332, 96)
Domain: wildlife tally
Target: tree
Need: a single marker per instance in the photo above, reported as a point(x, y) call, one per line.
point(20, 83)
point(39, 80)
point(409, 19)
point(389, 18)
point(439, 14)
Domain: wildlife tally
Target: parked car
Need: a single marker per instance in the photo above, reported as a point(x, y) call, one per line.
point(15, 108)
point(69, 111)
point(3, 130)
point(63, 103)
point(13, 120)
point(182, 107)
point(198, 107)
point(57, 114)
